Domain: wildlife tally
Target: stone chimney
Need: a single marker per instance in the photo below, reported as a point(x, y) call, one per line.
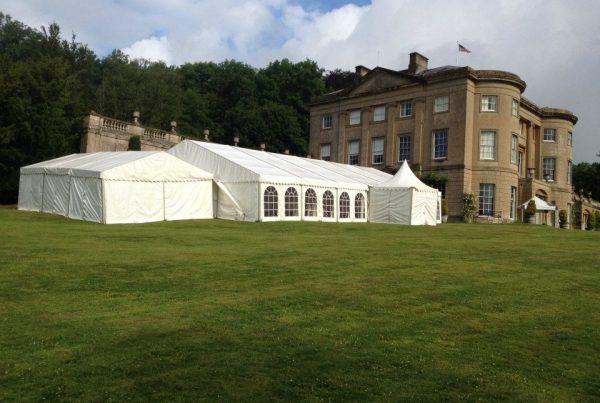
point(418, 63)
point(360, 71)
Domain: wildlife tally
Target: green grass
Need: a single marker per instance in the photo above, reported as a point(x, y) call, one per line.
point(220, 310)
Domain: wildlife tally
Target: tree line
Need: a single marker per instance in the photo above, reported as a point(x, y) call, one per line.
point(49, 84)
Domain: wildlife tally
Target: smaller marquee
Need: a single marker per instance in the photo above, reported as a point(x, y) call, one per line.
point(404, 199)
point(117, 187)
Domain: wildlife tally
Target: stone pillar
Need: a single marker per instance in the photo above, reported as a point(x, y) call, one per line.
point(417, 153)
point(390, 137)
point(365, 137)
point(530, 163)
point(341, 156)
point(537, 135)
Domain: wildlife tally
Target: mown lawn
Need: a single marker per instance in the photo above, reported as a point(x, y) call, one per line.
point(220, 310)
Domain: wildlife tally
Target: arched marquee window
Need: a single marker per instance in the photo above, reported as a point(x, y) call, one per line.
point(328, 205)
point(344, 205)
point(310, 203)
point(291, 202)
point(359, 206)
point(270, 202)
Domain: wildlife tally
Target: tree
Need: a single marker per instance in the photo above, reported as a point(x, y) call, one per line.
point(586, 178)
point(293, 85)
point(135, 144)
point(152, 88)
point(339, 79)
point(43, 97)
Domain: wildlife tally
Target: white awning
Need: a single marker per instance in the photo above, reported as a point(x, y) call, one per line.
point(539, 204)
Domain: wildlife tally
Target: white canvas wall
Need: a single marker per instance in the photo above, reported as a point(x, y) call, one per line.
point(188, 200)
point(30, 192)
point(391, 205)
point(120, 187)
point(404, 199)
point(85, 199)
point(242, 175)
point(55, 197)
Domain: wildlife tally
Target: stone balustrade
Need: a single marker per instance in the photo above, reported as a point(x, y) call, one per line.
point(112, 124)
point(156, 134)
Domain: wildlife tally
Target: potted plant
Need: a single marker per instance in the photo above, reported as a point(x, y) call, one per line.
point(562, 218)
point(468, 207)
point(530, 212)
point(444, 210)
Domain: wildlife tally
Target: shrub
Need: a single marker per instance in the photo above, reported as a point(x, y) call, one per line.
point(576, 216)
point(468, 207)
point(531, 209)
point(134, 143)
point(444, 207)
point(591, 222)
point(597, 214)
point(562, 216)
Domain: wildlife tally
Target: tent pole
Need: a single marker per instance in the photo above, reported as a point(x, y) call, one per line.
point(103, 221)
point(69, 199)
point(43, 188)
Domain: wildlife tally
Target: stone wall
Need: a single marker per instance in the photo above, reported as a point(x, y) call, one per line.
point(106, 134)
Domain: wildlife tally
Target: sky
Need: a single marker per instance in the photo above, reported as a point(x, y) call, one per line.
point(554, 45)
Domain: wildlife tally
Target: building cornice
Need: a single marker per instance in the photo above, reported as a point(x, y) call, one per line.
point(498, 76)
point(431, 76)
point(549, 113)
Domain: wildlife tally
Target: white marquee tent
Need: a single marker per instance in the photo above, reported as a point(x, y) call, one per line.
point(542, 208)
point(404, 199)
point(261, 186)
point(117, 187)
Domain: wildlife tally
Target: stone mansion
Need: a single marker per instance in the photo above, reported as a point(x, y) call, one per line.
point(471, 128)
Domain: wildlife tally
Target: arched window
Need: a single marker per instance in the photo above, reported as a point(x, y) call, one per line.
point(310, 203)
point(328, 208)
point(270, 202)
point(359, 206)
point(291, 202)
point(344, 205)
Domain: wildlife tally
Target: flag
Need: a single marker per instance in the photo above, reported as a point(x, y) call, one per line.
point(461, 48)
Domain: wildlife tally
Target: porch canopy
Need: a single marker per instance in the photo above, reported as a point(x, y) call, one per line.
point(539, 205)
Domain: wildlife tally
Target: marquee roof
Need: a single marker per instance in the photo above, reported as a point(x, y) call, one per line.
point(123, 165)
point(237, 164)
point(405, 178)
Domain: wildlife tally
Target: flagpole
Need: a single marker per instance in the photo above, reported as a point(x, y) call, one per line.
point(457, 54)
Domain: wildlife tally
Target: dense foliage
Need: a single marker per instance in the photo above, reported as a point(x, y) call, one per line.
point(586, 179)
point(48, 85)
point(135, 144)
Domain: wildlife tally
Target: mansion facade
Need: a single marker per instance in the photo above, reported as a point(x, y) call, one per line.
point(471, 129)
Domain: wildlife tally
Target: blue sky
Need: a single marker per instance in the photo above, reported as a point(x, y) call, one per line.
point(551, 44)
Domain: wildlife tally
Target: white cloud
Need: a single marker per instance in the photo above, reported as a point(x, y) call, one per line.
point(551, 44)
point(155, 49)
